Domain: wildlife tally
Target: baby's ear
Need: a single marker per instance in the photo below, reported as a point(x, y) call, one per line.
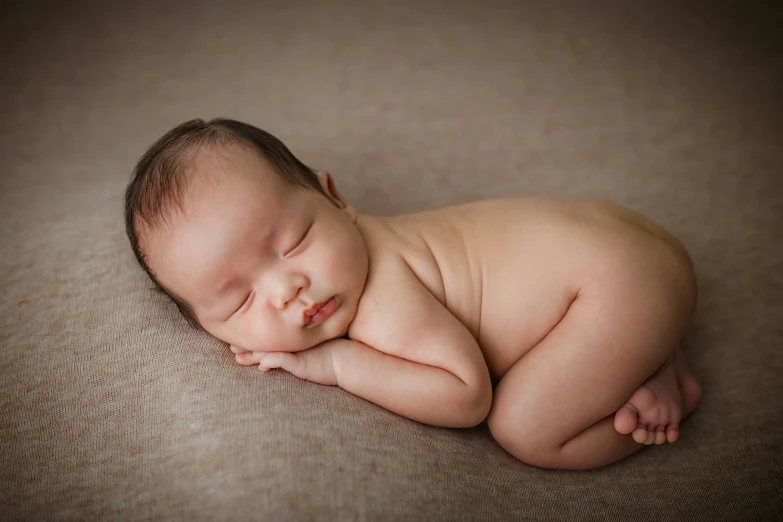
point(327, 183)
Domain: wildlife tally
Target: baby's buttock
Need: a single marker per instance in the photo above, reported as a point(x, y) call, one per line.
point(510, 268)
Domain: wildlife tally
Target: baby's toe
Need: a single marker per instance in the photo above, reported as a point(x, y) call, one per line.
point(640, 435)
point(672, 433)
point(625, 419)
point(660, 435)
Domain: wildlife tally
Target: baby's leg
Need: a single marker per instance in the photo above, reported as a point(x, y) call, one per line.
point(555, 407)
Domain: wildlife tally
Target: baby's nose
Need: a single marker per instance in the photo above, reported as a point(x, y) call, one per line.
point(288, 292)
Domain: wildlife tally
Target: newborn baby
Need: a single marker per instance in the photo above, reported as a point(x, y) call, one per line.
point(555, 319)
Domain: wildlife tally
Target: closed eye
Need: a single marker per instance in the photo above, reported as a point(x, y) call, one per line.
point(246, 302)
point(298, 242)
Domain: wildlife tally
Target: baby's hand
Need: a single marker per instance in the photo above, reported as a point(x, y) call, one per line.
point(314, 364)
point(246, 357)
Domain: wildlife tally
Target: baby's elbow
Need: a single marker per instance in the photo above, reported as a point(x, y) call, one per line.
point(483, 405)
point(476, 406)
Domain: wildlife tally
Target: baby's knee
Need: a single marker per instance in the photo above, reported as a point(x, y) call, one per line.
point(520, 443)
point(518, 437)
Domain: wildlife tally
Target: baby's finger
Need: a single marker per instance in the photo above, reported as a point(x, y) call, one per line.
point(284, 360)
point(237, 349)
point(248, 358)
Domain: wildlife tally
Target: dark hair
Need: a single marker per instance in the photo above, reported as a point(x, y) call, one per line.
point(159, 180)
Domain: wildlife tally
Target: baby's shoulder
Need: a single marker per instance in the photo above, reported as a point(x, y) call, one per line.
point(400, 265)
point(400, 245)
point(390, 285)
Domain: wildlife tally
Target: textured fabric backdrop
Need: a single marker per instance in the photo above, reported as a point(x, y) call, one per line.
point(111, 408)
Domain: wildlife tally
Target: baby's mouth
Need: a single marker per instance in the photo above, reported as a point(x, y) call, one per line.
point(318, 313)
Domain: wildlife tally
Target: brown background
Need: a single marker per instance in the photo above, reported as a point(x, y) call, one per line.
point(112, 409)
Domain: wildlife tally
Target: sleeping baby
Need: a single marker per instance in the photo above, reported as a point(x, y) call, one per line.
point(556, 320)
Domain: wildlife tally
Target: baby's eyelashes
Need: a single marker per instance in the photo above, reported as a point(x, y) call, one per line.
point(244, 304)
point(294, 249)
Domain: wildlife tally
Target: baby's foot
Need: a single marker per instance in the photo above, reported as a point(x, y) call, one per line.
point(654, 411)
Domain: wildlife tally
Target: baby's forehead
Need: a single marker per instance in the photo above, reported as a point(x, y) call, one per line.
point(248, 203)
point(238, 181)
point(213, 177)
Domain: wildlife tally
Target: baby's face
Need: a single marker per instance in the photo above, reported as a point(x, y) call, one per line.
point(252, 255)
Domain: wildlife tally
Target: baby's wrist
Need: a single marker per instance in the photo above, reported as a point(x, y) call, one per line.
point(341, 352)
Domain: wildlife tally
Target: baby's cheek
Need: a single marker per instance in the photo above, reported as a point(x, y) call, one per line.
point(270, 338)
point(348, 260)
point(250, 334)
point(328, 265)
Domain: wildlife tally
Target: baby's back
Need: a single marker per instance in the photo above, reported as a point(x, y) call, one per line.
point(509, 268)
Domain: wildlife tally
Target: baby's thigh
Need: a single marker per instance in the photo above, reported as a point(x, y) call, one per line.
point(606, 345)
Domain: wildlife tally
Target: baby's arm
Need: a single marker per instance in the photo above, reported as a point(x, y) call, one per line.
point(427, 394)
point(414, 358)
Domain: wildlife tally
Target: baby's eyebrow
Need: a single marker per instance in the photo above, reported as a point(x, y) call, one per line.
point(225, 286)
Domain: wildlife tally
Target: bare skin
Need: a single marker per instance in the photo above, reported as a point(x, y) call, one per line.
point(535, 257)
point(556, 319)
